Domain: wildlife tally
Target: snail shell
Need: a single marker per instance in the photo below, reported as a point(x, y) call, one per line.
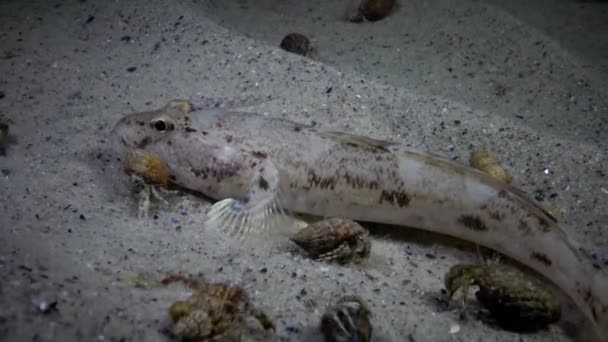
point(516, 301)
point(335, 238)
point(297, 43)
point(347, 320)
point(485, 162)
point(148, 166)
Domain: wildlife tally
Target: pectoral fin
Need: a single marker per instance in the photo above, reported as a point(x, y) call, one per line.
point(259, 213)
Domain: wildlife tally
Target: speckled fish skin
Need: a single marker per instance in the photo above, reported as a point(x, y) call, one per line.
point(221, 153)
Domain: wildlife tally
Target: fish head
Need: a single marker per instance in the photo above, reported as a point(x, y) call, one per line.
point(138, 130)
point(176, 145)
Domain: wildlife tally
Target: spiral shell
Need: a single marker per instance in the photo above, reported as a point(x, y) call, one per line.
point(485, 162)
point(347, 320)
point(335, 238)
point(516, 301)
point(148, 166)
point(215, 310)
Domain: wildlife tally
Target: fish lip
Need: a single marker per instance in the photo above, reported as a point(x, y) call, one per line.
point(118, 138)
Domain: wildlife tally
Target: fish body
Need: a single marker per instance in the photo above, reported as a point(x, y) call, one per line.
point(256, 166)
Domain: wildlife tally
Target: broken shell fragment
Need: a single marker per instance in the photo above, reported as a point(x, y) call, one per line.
point(485, 162)
point(335, 238)
point(148, 166)
point(347, 320)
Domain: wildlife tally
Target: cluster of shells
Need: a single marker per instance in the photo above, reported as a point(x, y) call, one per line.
point(357, 11)
point(223, 312)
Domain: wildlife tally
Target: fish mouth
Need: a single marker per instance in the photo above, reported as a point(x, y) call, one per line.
point(118, 137)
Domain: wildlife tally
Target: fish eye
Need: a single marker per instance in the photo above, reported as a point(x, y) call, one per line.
point(161, 125)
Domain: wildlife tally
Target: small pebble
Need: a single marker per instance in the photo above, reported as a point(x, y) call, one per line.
point(454, 328)
point(292, 329)
point(45, 307)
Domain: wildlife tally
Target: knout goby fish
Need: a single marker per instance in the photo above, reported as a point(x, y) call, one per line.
point(257, 166)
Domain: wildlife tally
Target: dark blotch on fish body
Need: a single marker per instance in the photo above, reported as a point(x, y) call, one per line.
point(259, 154)
point(360, 183)
point(473, 222)
point(542, 257)
point(144, 142)
point(263, 183)
point(399, 198)
point(199, 172)
point(315, 180)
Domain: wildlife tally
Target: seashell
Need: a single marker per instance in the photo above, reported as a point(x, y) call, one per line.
point(347, 320)
point(515, 300)
point(148, 166)
point(214, 310)
point(335, 238)
point(297, 43)
point(373, 10)
point(485, 162)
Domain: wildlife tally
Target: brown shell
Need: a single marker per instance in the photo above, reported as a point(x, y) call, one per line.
point(334, 238)
point(516, 301)
point(347, 320)
point(374, 10)
point(148, 166)
point(485, 162)
point(296, 43)
point(213, 310)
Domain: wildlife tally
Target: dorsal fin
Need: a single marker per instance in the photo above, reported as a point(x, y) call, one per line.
point(366, 143)
point(523, 198)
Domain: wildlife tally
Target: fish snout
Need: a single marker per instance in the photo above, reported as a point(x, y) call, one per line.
point(122, 135)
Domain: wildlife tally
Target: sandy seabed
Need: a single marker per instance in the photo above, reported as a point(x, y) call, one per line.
point(525, 79)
